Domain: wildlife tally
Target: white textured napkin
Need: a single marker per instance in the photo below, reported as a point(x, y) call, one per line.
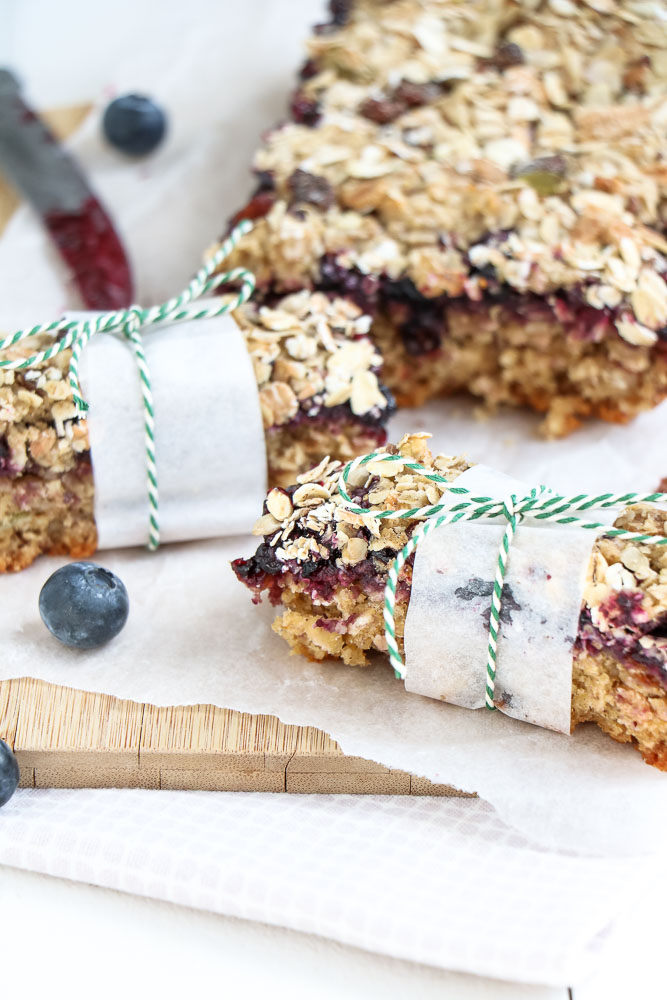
point(441, 881)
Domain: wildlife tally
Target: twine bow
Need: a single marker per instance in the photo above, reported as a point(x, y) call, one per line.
point(130, 323)
point(540, 504)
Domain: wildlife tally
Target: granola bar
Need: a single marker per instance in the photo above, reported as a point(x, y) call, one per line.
point(317, 376)
point(488, 180)
point(327, 568)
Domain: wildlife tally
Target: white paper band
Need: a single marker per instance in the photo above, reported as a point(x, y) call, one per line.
point(447, 626)
point(209, 439)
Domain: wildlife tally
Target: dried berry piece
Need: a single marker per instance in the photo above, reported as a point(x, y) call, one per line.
point(406, 95)
point(546, 174)
point(258, 206)
point(507, 54)
point(308, 70)
point(305, 110)
point(340, 11)
point(416, 95)
point(636, 74)
point(265, 181)
point(310, 188)
point(382, 110)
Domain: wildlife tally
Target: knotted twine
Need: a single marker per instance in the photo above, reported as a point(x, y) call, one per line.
point(541, 504)
point(130, 322)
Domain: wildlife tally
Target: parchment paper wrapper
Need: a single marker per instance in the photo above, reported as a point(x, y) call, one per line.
point(209, 440)
point(447, 625)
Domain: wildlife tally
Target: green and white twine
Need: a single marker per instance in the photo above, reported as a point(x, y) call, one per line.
point(540, 504)
point(130, 323)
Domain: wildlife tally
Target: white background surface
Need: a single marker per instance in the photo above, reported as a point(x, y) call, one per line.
point(65, 939)
point(68, 939)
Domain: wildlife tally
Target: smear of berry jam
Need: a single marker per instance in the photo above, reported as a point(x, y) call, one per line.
point(90, 246)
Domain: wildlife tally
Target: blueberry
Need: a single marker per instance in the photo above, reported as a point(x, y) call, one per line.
point(9, 773)
point(84, 605)
point(134, 124)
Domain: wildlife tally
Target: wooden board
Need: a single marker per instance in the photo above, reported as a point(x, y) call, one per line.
point(64, 738)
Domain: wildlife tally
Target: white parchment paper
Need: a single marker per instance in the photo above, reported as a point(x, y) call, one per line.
point(210, 451)
point(194, 637)
point(447, 625)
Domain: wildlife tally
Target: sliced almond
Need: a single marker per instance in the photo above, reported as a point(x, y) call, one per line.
point(505, 152)
point(310, 491)
point(637, 562)
point(355, 551)
point(301, 347)
point(630, 253)
point(384, 468)
point(314, 474)
point(279, 504)
point(649, 300)
point(620, 578)
point(265, 525)
point(635, 333)
point(366, 393)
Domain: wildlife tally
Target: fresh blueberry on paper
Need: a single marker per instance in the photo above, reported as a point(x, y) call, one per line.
point(84, 605)
point(134, 124)
point(9, 773)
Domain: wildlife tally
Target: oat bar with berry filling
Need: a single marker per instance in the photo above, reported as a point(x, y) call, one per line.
point(316, 371)
point(327, 567)
point(489, 180)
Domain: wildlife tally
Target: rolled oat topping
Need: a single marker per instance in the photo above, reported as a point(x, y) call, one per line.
point(317, 529)
point(519, 143)
point(40, 430)
point(312, 353)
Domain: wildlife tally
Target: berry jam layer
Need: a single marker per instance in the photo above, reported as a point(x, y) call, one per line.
point(564, 361)
point(327, 569)
point(443, 173)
